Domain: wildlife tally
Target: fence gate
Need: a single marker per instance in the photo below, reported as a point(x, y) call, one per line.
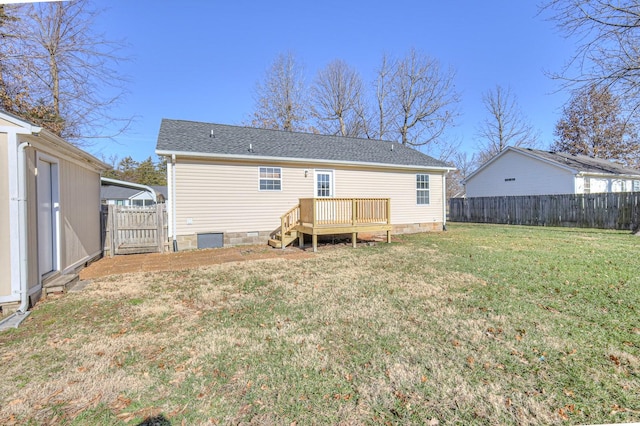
point(132, 229)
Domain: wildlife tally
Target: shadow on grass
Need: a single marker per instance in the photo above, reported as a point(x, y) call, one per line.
point(155, 421)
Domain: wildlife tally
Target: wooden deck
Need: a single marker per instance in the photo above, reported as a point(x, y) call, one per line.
point(329, 216)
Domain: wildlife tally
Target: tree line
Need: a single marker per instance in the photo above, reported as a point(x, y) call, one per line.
point(145, 172)
point(58, 72)
point(412, 99)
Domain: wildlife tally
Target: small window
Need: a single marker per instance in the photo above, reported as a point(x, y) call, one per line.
point(270, 179)
point(636, 186)
point(422, 188)
point(587, 185)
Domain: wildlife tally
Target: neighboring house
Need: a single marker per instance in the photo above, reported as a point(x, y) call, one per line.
point(524, 171)
point(232, 184)
point(124, 193)
point(49, 211)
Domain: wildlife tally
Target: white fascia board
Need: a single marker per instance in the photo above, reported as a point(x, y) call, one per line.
point(609, 175)
point(298, 160)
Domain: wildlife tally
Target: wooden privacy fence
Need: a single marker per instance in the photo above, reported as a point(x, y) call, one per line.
point(620, 210)
point(133, 229)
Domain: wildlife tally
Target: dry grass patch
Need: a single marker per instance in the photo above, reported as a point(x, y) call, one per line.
point(432, 328)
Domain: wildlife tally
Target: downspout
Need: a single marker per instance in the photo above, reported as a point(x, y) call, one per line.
point(22, 229)
point(173, 201)
point(444, 201)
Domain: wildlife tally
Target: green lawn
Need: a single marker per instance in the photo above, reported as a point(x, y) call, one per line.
point(480, 324)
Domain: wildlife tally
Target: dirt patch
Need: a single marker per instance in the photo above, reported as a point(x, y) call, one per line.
point(185, 260)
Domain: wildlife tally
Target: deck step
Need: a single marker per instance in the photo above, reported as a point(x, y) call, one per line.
point(60, 284)
point(289, 237)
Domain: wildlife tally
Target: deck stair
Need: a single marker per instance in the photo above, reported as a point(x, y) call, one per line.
point(59, 284)
point(277, 241)
point(327, 216)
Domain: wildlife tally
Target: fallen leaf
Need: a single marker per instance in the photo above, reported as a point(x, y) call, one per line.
point(615, 359)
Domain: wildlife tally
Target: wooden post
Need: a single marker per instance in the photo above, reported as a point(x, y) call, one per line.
point(354, 209)
point(282, 232)
point(113, 229)
point(314, 242)
point(159, 226)
point(354, 239)
point(389, 219)
point(301, 240)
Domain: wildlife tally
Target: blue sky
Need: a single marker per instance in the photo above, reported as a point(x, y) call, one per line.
point(200, 60)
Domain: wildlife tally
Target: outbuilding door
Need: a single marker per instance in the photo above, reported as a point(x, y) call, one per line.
point(47, 185)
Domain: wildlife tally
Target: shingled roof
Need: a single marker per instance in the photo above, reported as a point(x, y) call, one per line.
point(580, 163)
point(219, 140)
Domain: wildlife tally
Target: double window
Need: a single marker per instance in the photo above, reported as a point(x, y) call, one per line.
point(270, 179)
point(422, 188)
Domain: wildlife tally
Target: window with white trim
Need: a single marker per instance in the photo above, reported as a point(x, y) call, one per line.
point(636, 186)
point(422, 188)
point(587, 185)
point(270, 179)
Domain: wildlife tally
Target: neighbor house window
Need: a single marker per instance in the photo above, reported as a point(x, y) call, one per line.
point(422, 188)
point(270, 179)
point(636, 186)
point(587, 185)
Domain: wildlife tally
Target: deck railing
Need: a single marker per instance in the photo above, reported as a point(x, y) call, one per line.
point(289, 220)
point(344, 211)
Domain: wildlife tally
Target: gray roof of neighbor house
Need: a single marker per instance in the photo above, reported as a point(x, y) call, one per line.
point(218, 140)
point(581, 163)
point(113, 192)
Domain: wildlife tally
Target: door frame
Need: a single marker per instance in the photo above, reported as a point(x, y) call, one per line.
point(55, 211)
point(332, 182)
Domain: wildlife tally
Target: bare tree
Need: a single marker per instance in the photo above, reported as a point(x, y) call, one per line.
point(424, 98)
point(465, 164)
point(592, 125)
point(505, 124)
point(336, 100)
point(70, 70)
point(384, 114)
point(281, 98)
point(609, 44)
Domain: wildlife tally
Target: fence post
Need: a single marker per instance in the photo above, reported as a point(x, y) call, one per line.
point(111, 220)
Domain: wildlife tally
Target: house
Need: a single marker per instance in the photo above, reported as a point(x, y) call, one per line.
point(122, 193)
point(49, 211)
point(525, 171)
point(230, 185)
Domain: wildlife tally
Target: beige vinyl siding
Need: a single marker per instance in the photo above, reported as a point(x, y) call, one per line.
point(5, 243)
point(79, 213)
point(400, 186)
point(225, 197)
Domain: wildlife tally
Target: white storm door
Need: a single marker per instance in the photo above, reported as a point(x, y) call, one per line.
point(46, 224)
point(324, 183)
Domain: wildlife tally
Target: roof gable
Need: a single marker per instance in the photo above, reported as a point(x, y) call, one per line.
point(573, 163)
point(218, 140)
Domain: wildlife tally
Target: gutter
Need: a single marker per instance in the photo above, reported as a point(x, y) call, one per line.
point(22, 230)
point(124, 184)
point(173, 201)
